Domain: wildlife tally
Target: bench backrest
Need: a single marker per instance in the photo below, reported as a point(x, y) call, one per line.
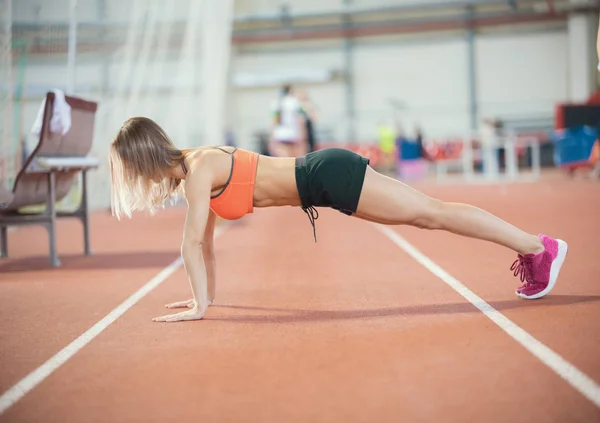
point(31, 188)
point(76, 142)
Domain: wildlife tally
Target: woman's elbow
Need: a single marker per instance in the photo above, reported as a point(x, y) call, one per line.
point(191, 245)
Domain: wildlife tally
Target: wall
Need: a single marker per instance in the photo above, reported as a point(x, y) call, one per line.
point(521, 75)
point(429, 80)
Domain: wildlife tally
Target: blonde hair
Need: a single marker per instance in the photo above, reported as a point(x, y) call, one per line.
point(141, 155)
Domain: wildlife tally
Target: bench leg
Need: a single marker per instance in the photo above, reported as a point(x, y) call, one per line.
point(51, 226)
point(3, 242)
point(85, 214)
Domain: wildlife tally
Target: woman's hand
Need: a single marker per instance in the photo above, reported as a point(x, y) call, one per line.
point(182, 304)
point(193, 314)
point(185, 304)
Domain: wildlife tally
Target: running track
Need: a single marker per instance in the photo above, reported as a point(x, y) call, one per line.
point(351, 329)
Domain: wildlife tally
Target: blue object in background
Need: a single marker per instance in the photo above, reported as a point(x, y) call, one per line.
point(409, 150)
point(574, 145)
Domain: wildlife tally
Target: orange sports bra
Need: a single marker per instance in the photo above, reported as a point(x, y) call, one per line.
point(237, 197)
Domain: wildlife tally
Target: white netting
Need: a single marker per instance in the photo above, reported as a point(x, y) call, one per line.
point(40, 32)
point(167, 60)
point(8, 152)
point(172, 66)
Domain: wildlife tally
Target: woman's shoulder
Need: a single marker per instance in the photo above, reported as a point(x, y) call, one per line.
point(213, 159)
point(211, 152)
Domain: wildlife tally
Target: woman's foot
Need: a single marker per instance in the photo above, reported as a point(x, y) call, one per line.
point(539, 272)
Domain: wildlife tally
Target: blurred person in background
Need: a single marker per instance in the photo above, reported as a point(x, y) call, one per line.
point(309, 111)
point(386, 137)
point(288, 131)
point(419, 138)
point(598, 45)
point(230, 138)
point(262, 142)
point(490, 138)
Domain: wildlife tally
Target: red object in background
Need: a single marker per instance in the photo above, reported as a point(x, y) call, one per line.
point(594, 98)
point(444, 149)
point(432, 150)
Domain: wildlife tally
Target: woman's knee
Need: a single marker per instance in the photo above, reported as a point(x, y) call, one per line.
point(430, 216)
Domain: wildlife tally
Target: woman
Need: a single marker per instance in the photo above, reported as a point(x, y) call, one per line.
point(147, 169)
point(288, 131)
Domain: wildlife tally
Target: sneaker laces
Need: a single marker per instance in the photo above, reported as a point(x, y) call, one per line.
point(523, 267)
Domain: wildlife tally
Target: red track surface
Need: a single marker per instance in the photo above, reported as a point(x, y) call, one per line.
point(349, 329)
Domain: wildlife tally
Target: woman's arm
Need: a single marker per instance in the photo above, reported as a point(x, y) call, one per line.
point(208, 253)
point(197, 189)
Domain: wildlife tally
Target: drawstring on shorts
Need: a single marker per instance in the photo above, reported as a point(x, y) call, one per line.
point(313, 215)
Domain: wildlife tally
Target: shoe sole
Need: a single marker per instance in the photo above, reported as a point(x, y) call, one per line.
point(554, 270)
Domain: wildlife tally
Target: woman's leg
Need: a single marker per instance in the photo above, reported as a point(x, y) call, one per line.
point(389, 201)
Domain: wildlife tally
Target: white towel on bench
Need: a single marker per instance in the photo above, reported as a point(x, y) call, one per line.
point(61, 115)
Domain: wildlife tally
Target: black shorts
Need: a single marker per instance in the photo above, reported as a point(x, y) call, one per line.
point(332, 177)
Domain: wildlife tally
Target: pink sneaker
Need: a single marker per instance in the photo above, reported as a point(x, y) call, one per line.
point(540, 271)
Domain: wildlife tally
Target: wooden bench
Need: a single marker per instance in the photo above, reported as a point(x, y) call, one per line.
point(49, 173)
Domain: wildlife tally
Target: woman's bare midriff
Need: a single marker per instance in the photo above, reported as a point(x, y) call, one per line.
point(275, 177)
point(276, 182)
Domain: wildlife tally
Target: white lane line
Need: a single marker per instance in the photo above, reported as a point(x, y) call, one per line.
point(575, 377)
point(38, 375)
